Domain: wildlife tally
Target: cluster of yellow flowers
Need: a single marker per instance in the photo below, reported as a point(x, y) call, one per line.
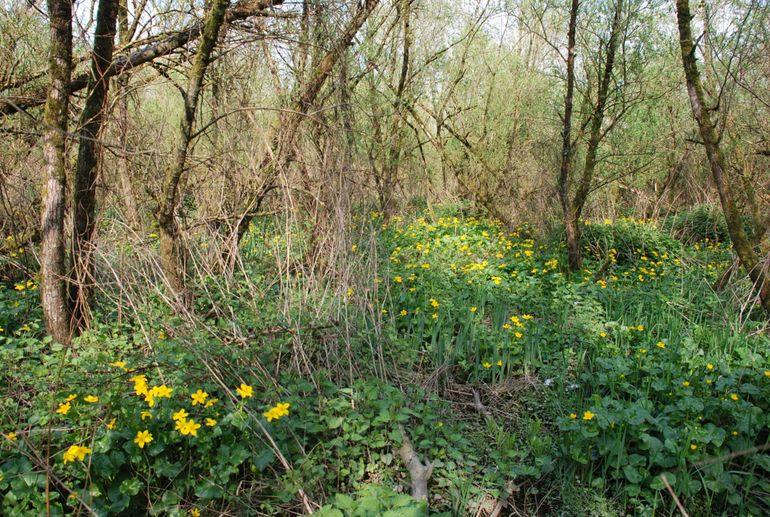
point(141, 388)
point(76, 452)
point(277, 412)
point(587, 415)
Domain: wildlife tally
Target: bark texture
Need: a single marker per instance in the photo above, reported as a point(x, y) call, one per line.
point(53, 285)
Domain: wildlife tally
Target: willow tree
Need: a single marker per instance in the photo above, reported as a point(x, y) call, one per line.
point(717, 163)
point(53, 286)
point(573, 204)
point(172, 252)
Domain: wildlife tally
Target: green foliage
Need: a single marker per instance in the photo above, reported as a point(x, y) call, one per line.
point(631, 239)
point(702, 223)
point(374, 501)
point(598, 384)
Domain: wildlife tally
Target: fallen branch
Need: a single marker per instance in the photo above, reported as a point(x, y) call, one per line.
point(419, 472)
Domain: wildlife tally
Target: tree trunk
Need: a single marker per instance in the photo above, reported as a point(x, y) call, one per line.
point(172, 252)
point(53, 288)
point(573, 208)
point(741, 243)
point(86, 169)
point(133, 219)
point(572, 228)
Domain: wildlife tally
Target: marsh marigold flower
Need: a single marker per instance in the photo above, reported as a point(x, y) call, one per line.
point(143, 438)
point(587, 415)
point(64, 408)
point(188, 427)
point(245, 391)
point(75, 452)
point(180, 415)
point(199, 397)
point(277, 412)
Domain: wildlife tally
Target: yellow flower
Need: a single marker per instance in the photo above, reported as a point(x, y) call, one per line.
point(573, 416)
point(199, 397)
point(693, 447)
point(161, 391)
point(64, 408)
point(71, 398)
point(180, 415)
point(118, 364)
point(11, 436)
point(660, 344)
point(75, 452)
point(518, 334)
point(211, 402)
point(709, 366)
point(140, 384)
point(111, 424)
point(602, 334)
point(20, 287)
point(398, 279)
point(588, 415)
point(188, 427)
point(210, 422)
point(350, 292)
point(686, 383)
point(734, 396)
point(500, 362)
point(143, 438)
point(280, 410)
point(91, 399)
point(474, 309)
point(487, 365)
point(640, 328)
point(527, 316)
point(434, 316)
point(434, 302)
point(195, 513)
point(145, 415)
point(245, 391)
point(767, 373)
point(403, 312)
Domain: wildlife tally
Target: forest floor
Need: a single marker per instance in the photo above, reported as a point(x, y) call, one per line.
point(630, 387)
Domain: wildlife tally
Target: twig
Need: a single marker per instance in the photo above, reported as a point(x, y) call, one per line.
point(673, 495)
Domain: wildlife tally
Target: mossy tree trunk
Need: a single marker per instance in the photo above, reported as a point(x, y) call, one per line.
point(172, 252)
point(572, 208)
point(53, 289)
point(741, 243)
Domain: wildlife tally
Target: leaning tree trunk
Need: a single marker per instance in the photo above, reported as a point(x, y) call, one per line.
point(741, 243)
point(53, 285)
point(172, 252)
point(285, 135)
point(87, 167)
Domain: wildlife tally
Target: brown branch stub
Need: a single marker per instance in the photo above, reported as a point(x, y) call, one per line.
point(481, 408)
point(419, 472)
